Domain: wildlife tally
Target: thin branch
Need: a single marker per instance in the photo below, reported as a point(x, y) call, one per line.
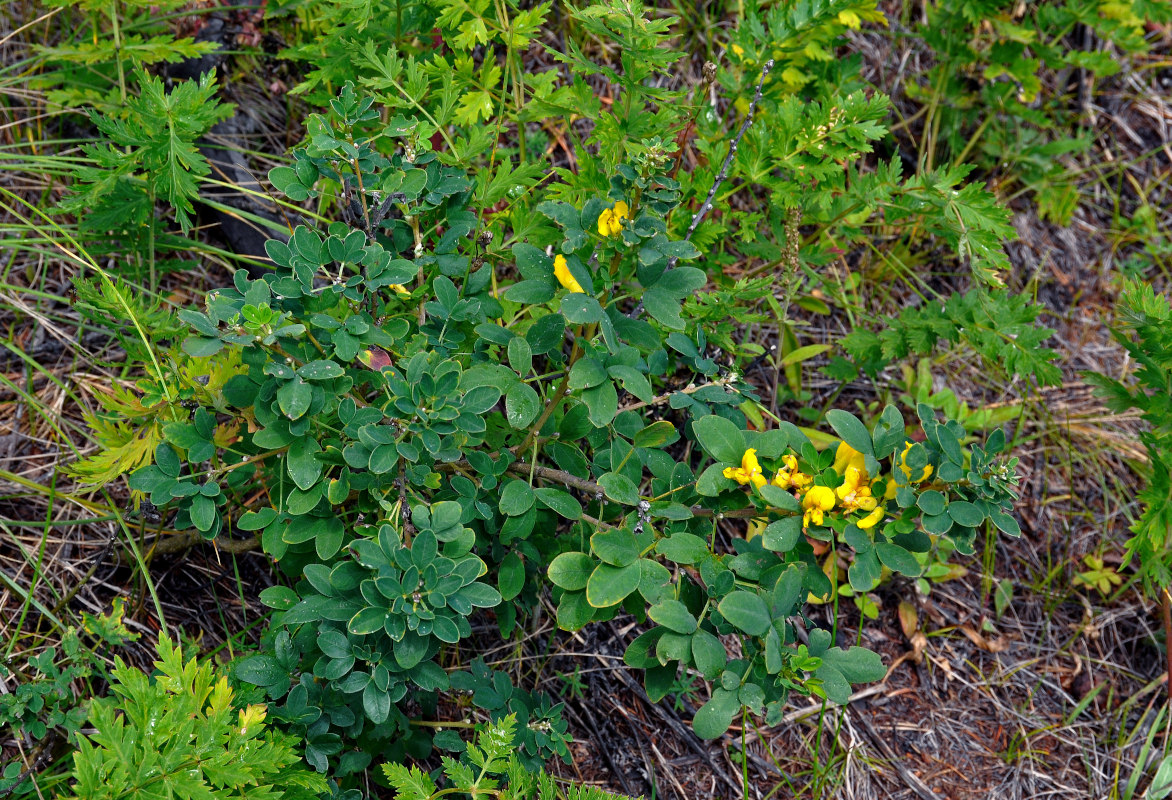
point(189, 539)
point(706, 206)
point(663, 398)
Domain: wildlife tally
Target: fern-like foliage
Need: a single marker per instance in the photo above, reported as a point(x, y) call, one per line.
point(137, 320)
point(1001, 327)
point(148, 154)
point(179, 735)
point(1146, 333)
point(488, 769)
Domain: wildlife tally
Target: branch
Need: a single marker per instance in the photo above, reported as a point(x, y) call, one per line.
point(663, 398)
point(189, 539)
point(706, 206)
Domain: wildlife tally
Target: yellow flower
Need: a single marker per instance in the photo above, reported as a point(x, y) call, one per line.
point(847, 456)
point(871, 519)
point(818, 500)
point(561, 271)
point(907, 471)
point(790, 477)
point(748, 472)
point(855, 493)
point(610, 221)
point(740, 51)
point(399, 288)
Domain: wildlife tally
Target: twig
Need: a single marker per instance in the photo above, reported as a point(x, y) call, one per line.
point(189, 539)
point(706, 206)
point(663, 398)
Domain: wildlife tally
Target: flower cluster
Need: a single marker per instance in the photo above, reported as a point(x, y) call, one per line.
point(853, 494)
point(610, 223)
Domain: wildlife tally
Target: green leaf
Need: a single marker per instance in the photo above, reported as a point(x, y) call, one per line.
point(511, 576)
point(782, 536)
point(712, 481)
point(481, 399)
point(746, 611)
point(320, 370)
point(851, 431)
point(865, 572)
point(376, 704)
point(840, 668)
point(203, 513)
point(520, 356)
point(602, 403)
point(615, 546)
point(1005, 523)
point(714, 717)
point(294, 398)
point(261, 670)
point(481, 595)
point(664, 308)
point(304, 467)
point(530, 292)
point(561, 503)
point(367, 621)
point(683, 548)
point(654, 581)
point(805, 354)
point(708, 654)
point(201, 347)
point(167, 460)
point(574, 611)
point(965, 513)
point(619, 488)
point(581, 309)
point(546, 334)
point(410, 650)
point(571, 571)
point(522, 405)
point(898, 559)
point(720, 438)
point(950, 445)
point(383, 459)
point(586, 373)
point(938, 524)
point(640, 653)
point(609, 586)
point(779, 498)
point(516, 498)
point(1003, 595)
point(328, 540)
point(931, 502)
point(279, 597)
point(657, 434)
point(659, 680)
point(673, 615)
point(1161, 786)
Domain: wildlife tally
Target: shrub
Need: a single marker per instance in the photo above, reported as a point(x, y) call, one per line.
point(433, 432)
